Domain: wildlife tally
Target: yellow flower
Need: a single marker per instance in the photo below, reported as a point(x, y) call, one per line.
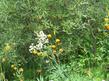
point(107, 27)
point(49, 36)
point(15, 68)
point(20, 69)
point(44, 54)
point(58, 41)
point(7, 48)
point(34, 52)
point(12, 66)
point(39, 53)
point(53, 46)
point(106, 19)
point(61, 50)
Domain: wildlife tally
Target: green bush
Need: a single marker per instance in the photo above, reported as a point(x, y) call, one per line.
point(81, 25)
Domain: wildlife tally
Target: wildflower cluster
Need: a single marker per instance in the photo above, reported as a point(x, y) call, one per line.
point(7, 47)
point(45, 42)
point(41, 41)
point(14, 67)
point(18, 72)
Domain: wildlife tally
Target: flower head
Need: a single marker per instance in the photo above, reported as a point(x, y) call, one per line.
point(20, 69)
point(53, 46)
point(42, 38)
point(34, 48)
point(7, 47)
point(107, 27)
point(31, 47)
point(12, 66)
point(61, 50)
point(41, 41)
point(39, 53)
point(39, 46)
point(34, 52)
point(58, 41)
point(15, 68)
point(49, 36)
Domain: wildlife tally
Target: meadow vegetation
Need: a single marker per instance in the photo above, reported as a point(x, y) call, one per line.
point(54, 40)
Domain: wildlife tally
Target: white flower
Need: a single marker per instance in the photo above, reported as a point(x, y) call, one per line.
point(31, 47)
point(46, 41)
point(39, 46)
point(42, 37)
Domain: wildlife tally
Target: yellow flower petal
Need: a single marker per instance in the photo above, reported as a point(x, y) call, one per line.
point(34, 52)
point(53, 46)
point(49, 36)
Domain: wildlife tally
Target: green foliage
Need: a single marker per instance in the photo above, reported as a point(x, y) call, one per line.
point(78, 23)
